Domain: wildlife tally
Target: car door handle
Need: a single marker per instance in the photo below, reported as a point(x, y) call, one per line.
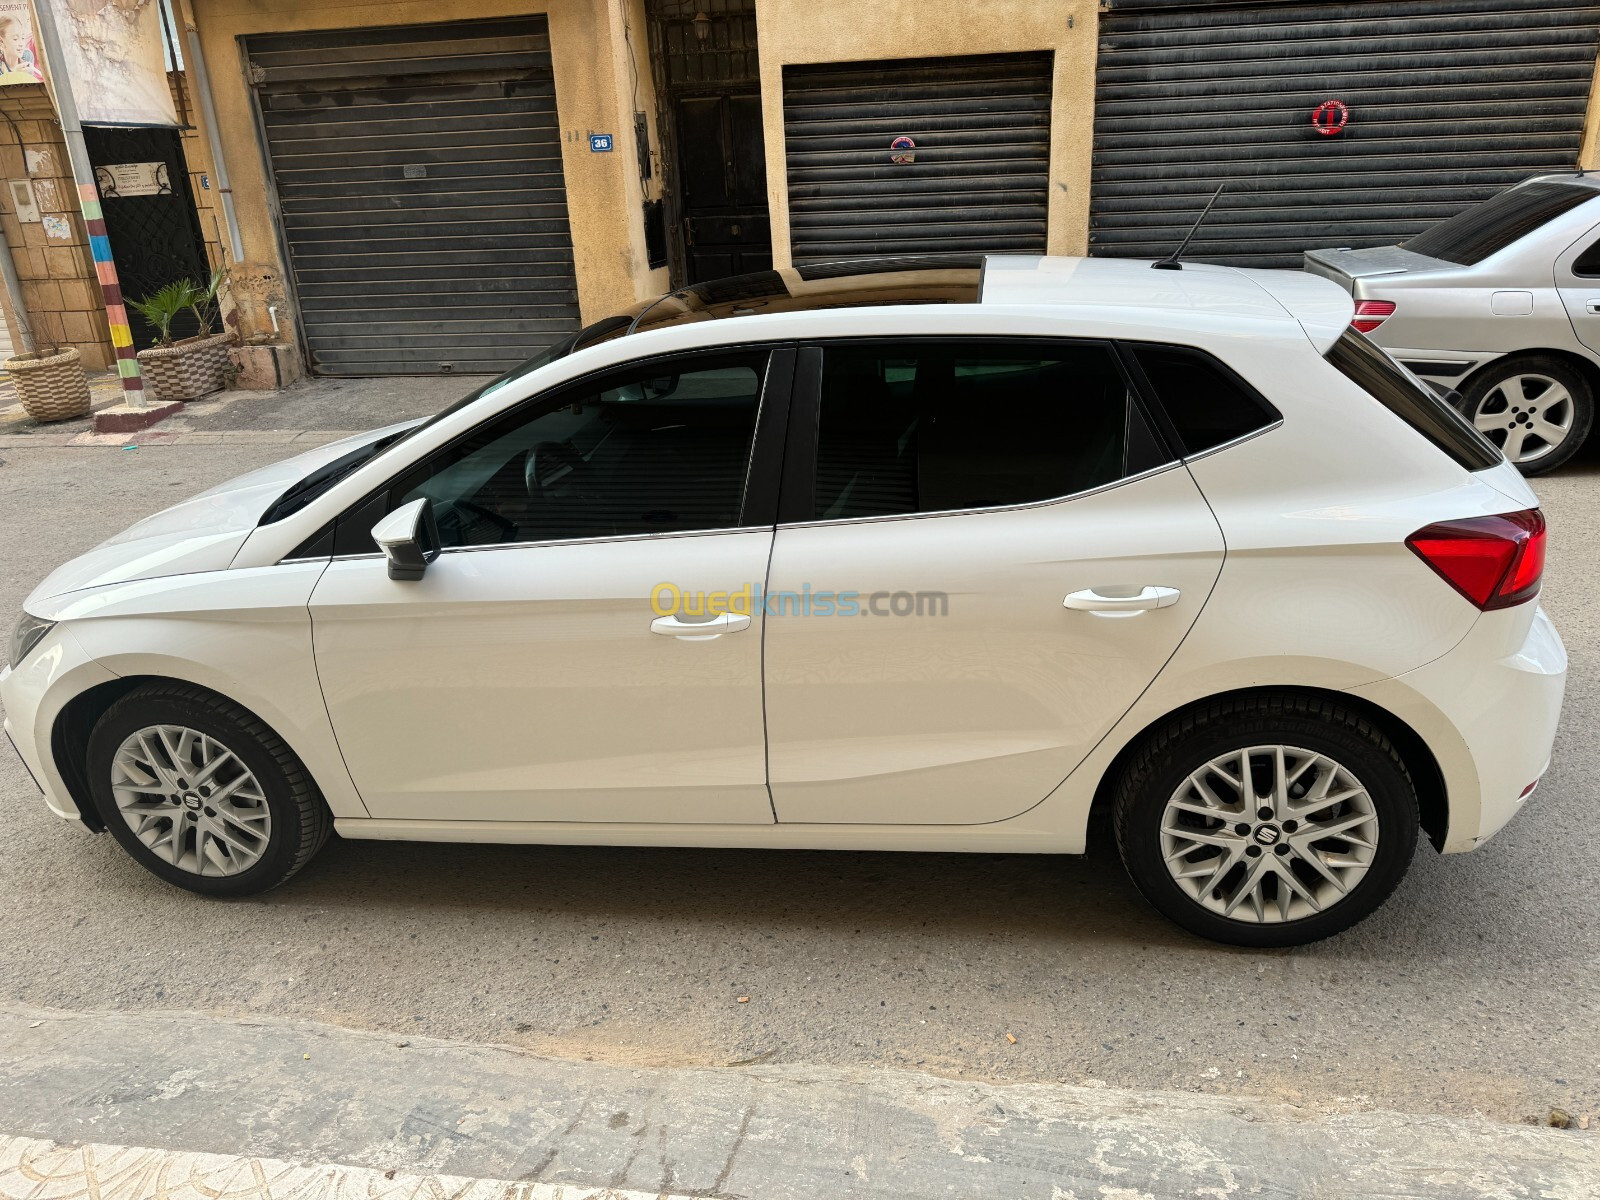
point(1090, 600)
point(1593, 306)
point(700, 631)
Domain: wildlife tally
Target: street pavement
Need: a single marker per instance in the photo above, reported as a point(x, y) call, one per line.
point(1472, 997)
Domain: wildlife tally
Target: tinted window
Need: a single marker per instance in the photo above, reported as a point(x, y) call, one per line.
point(1413, 401)
point(1587, 264)
point(1472, 236)
point(1207, 403)
point(920, 426)
point(659, 449)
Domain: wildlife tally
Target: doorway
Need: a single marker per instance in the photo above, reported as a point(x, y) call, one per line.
point(150, 217)
point(708, 79)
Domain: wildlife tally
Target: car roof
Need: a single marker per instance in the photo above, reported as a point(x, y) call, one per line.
point(1130, 289)
point(1127, 291)
point(1587, 179)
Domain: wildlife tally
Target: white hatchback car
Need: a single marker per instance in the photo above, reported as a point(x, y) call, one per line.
point(898, 556)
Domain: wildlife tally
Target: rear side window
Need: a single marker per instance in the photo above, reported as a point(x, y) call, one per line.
point(1413, 401)
point(1207, 403)
point(933, 426)
point(1587, 264)
point(1482, 230)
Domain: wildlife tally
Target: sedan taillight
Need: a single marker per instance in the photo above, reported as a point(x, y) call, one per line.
point(1370, 314)
point(1495, 562)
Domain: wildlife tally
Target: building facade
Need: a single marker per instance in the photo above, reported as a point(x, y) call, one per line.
point(448, 187)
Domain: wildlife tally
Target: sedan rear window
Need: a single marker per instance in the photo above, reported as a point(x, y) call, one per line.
point(1484, 229)
point(1413, 401)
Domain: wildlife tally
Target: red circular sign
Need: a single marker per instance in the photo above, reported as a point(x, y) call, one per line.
point(1330, 117)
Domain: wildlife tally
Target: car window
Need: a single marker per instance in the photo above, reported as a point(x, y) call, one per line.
point(1587, 264)
point(932, 426)
point(661, 448)
point(1413, 401)
point(1207, 403)
point(1471, 236)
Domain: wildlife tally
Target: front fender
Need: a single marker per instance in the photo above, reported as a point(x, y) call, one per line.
point(253, 620)
point(34, 693)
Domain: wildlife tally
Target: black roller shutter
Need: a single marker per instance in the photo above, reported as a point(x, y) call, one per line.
point(418, 174)
point(1450, 101)
point(980, 179)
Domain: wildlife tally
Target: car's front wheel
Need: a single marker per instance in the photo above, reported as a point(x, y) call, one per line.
point(202, 793)
point(1267, 821)
point(1537, 409)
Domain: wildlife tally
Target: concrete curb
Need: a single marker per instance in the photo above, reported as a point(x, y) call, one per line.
point(317, 1094)
point(303, 438)
point(36, 1170)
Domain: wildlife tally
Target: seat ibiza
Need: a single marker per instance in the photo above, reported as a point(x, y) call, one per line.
point(905, 555)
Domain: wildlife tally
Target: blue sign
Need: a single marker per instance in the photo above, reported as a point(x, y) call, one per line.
point(599, 143)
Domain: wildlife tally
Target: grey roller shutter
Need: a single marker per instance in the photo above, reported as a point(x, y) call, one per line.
point(418, 174)
point(1450, 101)
point(980, 179)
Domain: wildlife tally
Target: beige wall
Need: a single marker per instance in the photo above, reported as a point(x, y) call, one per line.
point(59, 285)
point(1589, 153)
point(593, 95)
point(816, 31)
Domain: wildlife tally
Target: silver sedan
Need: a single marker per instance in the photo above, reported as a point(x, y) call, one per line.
point(1501, 304)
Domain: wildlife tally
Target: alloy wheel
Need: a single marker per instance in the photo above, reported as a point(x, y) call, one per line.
point(190, 800)
point(1528, 416)
point(1269, 834)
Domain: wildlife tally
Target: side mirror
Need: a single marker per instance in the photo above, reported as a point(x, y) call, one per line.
point(409, 539)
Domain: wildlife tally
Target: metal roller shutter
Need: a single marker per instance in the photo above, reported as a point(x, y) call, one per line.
point(980, 181)
point(1450, 101)
point(418, 175)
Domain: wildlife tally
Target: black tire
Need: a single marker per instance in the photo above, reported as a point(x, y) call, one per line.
point(300, 821)
point(1480, 387)
point(1163, 764)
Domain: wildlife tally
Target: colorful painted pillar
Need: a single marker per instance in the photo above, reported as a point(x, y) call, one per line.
point(110, 286)
point(89, 202)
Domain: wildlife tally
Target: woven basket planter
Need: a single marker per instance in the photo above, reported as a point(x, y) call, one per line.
point(186, 370)
point(52, 387)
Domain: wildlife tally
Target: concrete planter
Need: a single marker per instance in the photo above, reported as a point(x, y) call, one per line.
point(52, 387)
point(188, 369)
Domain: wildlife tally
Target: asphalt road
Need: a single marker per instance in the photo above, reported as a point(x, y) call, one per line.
point(1477, 989)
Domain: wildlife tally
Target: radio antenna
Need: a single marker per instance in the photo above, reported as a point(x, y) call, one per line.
point(1170, 262)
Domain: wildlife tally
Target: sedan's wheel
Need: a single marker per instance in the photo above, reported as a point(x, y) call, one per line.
point(1267, 821)
point(1538, 411)
point(202, 793)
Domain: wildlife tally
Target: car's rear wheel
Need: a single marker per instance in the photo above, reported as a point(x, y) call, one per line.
point(202, 793)
point(1267, 821)
point(1537, 409)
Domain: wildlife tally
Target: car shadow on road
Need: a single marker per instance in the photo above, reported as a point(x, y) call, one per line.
point(1033, 896)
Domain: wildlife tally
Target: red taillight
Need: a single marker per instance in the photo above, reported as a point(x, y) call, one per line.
point(1370, 314)
point(1494, 562)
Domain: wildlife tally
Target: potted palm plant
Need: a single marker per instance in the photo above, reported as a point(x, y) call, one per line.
point(190, 367)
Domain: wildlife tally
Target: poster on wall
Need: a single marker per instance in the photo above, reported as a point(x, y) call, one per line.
point(19, 60)
point(118, 180)
point(115, 59)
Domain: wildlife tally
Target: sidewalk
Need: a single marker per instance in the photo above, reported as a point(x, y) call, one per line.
point(312, 411)
point(262, 1108)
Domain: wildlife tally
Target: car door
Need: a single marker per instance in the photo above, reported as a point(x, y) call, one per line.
point(1577, 276)
point(531, 674)
point(985, 556)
